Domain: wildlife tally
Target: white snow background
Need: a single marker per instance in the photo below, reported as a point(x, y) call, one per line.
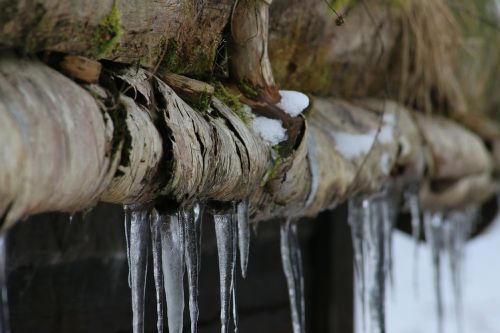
point(413, 310)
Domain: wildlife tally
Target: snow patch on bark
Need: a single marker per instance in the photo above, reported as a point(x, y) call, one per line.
point(293, 102)
point(271, 130)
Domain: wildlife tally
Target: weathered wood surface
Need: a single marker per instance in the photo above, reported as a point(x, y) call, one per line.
point(131, 31)
point(66, 147)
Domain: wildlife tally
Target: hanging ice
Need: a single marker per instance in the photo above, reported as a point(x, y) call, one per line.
point(447, 233)
point(372, 222)
point(192, 233)
point(198, 210)
point(236, 242)
point(413, 204)
point(457, 231)
point(243, 235)
point(433, 225)
point(126, 221)
point(172, 255)
point(358, 217)
point(155, 225)
point(225, 232)
point(292, 266)
point(4, 303)
point(138, 263)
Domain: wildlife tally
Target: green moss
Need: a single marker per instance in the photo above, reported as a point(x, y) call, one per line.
point(248, 90)
point(109, 32)
point(203, 102)
point(338, 5)
point(196, 62)
point(202, 63)
point(171, 60)
point(233, 102)
point(121, 134)
point(272, 172)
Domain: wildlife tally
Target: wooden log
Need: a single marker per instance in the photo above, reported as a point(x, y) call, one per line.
point(248, 59)
point(188, 89)
point(81, 68)
point(66, 148)
point(183, 34)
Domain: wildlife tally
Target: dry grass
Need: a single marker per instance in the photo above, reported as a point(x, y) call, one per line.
point(430, 42)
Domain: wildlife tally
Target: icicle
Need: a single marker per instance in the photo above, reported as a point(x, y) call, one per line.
point(357, 211)
point(243, 235)
point(412, 202)
point(172, 255)
point(155, 225)
point(372, 222)
point(198, 210)
point(292, 267)
point(379, 261)
point(192, 233)
point(433, 224)
point(457, 231)
point(138, 247)
point(4, 302)
point(225, 234)
point(235, 223)
point(126, 221)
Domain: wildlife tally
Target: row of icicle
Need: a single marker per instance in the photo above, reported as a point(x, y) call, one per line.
point(372, 220)
point(176, 247)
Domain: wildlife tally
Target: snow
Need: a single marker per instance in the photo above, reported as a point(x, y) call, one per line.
point(293, 102)
point(271, 130)
point(411, 309)
point(352, 145)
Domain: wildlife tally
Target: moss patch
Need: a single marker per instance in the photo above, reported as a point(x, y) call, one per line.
point(248, 90)
point(272, 172)
point(195, 61)
point(203, 102)
point(109, 32)
point(233, 102)
point(121, 134)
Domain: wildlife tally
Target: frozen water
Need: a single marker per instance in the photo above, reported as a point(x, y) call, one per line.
point(4, 303)
point(356, 219)
point(192, 221)
point(459, 227)
point(480, 292)
point(155, 224)
point(446, 233)
point(243, 235)
point(293, 102)
point(126, 221)
point(198, 210)
point(413, 203)
point(235, 222)
point(138, 247)
point(225, 233)
point(172, 241)
point(292, 267)
point(372, 222)
point(433, 225)
point(270, 130)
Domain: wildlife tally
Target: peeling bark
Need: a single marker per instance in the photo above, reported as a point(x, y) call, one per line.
point(179, 32)
point(63, 150)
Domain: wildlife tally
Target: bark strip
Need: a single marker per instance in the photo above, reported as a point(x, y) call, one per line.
point(65, 147)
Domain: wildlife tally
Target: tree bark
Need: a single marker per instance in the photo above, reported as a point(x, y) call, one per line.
point(183, 33)
point(65, 147)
